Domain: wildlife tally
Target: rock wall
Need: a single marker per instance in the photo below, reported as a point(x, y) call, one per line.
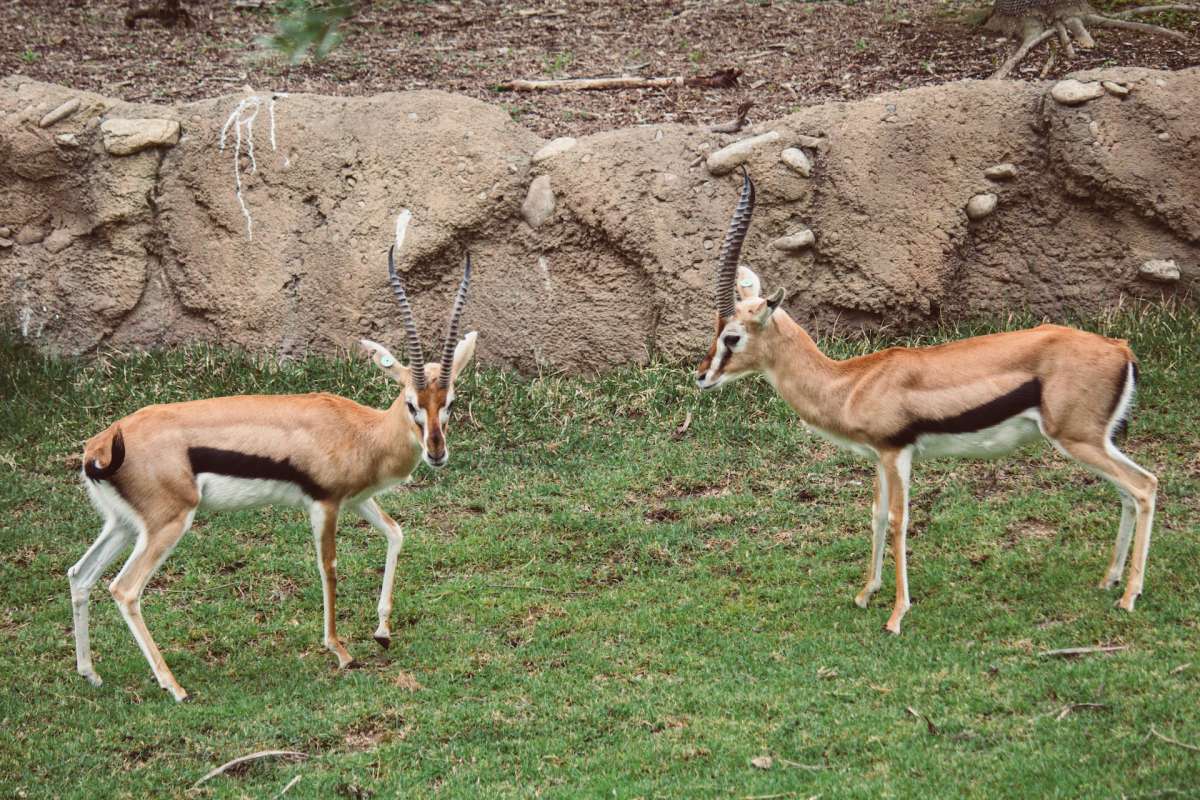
point(123, 225)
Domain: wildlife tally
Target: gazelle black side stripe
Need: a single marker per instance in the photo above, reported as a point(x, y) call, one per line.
point(245, 465)
point(1026, 396)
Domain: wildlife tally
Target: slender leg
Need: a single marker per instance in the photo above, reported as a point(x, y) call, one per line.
point(1142, 487)
point(83, 576)
point(897, 468)
point(148, 555)
point(372, 513)
point(324, 525)
point(879, 527)
point(1116, 567)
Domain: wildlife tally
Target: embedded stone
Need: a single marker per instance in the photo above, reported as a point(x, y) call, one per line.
point(732, 156)
point(58, 241)
point(1114, 88)
point(1001, 172)
point(5, 231)
point(665, 186)
point(795, 241)
point(67, 140)
point(981, 205)
point(1072, 92)
point(124, 137)
point(1160, 271)
point(539, 202)
point(30, 234)
point(811, 142)
point(62, 112)
point(5, 243)
point(795, 158)
point(554, 148)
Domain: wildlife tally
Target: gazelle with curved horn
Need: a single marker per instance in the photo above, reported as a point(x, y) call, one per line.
point(978, 397)
point(149, 473)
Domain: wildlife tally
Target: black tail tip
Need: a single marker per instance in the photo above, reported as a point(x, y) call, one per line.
point(98, 473)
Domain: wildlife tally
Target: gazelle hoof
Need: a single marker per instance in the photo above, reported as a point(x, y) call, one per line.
point(1108, 582)
point(92, 678)
point(383, 641)
point(180, 695)
point(893, 628)
point(1127, 602)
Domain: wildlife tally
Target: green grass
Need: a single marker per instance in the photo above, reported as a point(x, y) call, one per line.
point(589, 607)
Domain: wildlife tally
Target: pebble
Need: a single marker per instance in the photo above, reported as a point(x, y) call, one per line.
point(1164, 137)
point(67, 139)
point(981, 205)
point(5, 243)
point(124, 137)
point(732, 156)
point(555, 148)
point(1114, 88)
point(62, 112)
point(5, 232)
point(58, 241)
point(795, 241)
point(795, 158)
point(1001, 172)
point(30, 234)
point(812, 142)
point(1160, 271)
point(1072, 92)
point(539, 202)
point(665, 186)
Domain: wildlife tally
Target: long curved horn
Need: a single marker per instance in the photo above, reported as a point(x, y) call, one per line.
point(732, 248)
point(452, 331)
point(416, 360)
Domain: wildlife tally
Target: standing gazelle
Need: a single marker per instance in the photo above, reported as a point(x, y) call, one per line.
point(148, 473)
point(978, 397)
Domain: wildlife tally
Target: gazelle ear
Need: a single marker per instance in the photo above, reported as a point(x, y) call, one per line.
point(748, 285)
point(773, 302)
point(463, 352)
point(385, 361)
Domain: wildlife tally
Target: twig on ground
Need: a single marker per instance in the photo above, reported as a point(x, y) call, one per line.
point(1141, 27)
point(721, 79)
point(678, 433)
point(736, 124)
point(928, 722)
point(542, 589)
point(246, 759)
point(1020, 53)
point(1175, 742)
point(1180, 668)
point(1067, 709)
point(796, 765)
point(285, 789)
point(1071, 652)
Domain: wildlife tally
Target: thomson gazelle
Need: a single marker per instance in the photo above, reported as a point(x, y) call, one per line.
point(148, 473)
point(979, 397)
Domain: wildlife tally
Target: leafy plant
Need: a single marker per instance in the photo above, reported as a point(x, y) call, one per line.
point(308, 26)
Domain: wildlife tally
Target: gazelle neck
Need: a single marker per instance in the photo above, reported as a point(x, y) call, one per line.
point(802, 375)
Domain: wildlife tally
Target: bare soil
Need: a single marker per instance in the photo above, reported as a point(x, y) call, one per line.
point(792, 54)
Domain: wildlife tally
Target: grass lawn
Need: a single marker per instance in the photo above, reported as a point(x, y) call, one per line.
point(587, 606)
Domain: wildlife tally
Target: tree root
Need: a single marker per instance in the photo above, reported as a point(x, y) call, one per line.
point(1069, 26)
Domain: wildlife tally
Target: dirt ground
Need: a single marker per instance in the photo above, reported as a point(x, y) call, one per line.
point(791, 53)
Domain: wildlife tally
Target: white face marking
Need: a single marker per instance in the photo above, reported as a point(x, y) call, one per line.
point(733, 339)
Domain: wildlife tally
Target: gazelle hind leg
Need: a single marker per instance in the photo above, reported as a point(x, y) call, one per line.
point(897, 471)
point(1142, 488)
point(372, 513)
point(324, 525)
point(1116, 567)
point(113, 538)
point(879, 528)
point(148, 555)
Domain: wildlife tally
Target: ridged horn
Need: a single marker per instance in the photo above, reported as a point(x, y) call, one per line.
point(416, 360)
point(732, 248)
point(452, 331)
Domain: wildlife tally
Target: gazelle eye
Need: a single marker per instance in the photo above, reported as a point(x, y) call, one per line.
point(411, 409)
point(731, 341)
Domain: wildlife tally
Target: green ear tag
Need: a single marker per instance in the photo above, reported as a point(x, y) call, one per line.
point(387, 361)
point(746, 282)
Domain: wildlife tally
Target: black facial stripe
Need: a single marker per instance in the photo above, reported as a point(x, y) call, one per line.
point(245, 465)
point(1026, 396)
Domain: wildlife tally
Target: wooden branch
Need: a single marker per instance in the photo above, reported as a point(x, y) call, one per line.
point(1133, 12)
point(678, 433)
point(285, 789)
point(722, 79)
point(1140, 27)
point(246, 759)
point(1020, 53)
point(736, 124)
point(1071, 652)
point(1175, 742)
point(1063, 38)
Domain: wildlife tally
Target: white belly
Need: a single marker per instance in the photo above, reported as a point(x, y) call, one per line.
point(990, 442)
point(224, 493)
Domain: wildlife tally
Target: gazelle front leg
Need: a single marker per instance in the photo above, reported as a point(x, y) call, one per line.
point(372, 513)
point(879, 526)
point(897, 468)
point(324, 525)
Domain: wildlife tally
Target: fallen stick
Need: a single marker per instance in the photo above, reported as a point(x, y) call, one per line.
point(1175, 742)
point(285, 789)
point(1073, 706)
point(1071, 652)
point(737, 123)
point(722, 79)
point(678, 433)
point(246, 759)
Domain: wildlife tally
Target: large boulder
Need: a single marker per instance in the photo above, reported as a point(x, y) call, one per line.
point(281, 247)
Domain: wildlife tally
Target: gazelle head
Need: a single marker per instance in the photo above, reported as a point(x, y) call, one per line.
point(428, 389)
point(742, 313)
